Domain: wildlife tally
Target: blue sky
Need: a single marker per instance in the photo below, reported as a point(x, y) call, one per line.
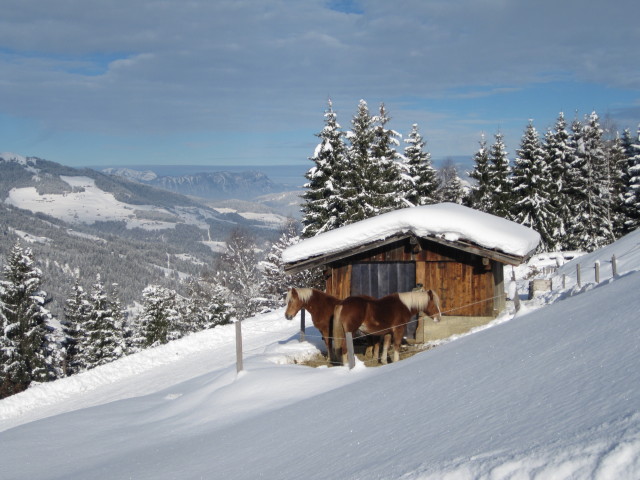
point(246, 82)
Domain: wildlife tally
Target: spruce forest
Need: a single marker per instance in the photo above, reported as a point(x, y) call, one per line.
point(578, 185)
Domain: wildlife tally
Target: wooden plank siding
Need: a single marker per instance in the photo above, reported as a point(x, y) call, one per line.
point(466, 283)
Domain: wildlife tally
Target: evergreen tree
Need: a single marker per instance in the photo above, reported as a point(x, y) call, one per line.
point(602, 183)
point(480, 196)
point(590, 190)
point(323, 198)
point(76, 316)
point(119, 320)
point(386, 187)
point(356, 181)
point(5, 348)
point(632, 193)
point(617, 162)
point(576, 190)
point(206, 307)
point(420, 182)
point(238, 274)
point(500, 179)
point(450, 188)
point(159, 322)
point(275, 282)
point(559, 157)
point(104, 340)
point(29, 350)
point(531, 178)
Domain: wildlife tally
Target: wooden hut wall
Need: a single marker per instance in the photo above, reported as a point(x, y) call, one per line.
point(465, 282)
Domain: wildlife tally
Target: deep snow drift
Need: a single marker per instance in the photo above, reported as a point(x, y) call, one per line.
point(554, 393)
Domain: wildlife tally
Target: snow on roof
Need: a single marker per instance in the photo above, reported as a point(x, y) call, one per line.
point(447, 221)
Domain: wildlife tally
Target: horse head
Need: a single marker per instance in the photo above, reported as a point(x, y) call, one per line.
point(294, 304)
point(433, 306)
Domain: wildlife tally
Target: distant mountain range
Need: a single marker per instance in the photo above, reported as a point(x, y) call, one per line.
point(245, 185)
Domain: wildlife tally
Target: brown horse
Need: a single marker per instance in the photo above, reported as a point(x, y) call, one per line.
point(387, 315)
point(319, 304)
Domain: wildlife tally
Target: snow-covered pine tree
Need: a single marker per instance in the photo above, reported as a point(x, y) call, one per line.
point(386, 187)
point(632, 194)
point(275, 282)
point(159, 322)
point(599, 226)
point(617, 162)
point(206, 306)
point(5, 346)
point(421, 180)
point(76, 315)
point(589, 189)
point(604, 204)
point(500, 179)
point(238, 273)
point(576, 191)
point(119, 319)
point(531, 178)
point(559, 157)
point(323, 198)
point(104, 342)
point(480, 195)
point(357, 181)
point(29, 349)
point(450, 187)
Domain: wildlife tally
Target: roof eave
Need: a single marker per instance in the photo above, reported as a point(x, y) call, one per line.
point(319, 260)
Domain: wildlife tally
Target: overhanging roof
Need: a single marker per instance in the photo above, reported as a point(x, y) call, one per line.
point(462, 245)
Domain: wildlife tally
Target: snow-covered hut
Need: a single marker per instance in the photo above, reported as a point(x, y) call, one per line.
point(456, 251)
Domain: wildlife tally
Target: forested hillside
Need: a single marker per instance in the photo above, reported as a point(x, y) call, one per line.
point(131, 257)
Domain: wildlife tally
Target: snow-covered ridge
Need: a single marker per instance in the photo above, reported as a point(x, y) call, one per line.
point(141, 176)
point(446, 220)
point(13, 157)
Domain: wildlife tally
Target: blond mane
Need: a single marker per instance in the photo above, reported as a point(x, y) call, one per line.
point(418, 300)
point(304, 294)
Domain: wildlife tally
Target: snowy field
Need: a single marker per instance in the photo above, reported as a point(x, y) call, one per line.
point(87, 206)
point(552, 393)
point(90, 204)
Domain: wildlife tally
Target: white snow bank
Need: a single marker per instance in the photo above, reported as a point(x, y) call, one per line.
point(446, 220)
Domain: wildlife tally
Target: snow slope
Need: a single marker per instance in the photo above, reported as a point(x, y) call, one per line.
point(554, 393)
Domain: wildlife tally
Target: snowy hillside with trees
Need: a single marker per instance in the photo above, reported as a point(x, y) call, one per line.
point(148, 389)
point(552, 392)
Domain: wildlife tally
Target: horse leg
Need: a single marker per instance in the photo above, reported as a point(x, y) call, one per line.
point(376, 350)
point(385, 349)
point(376, 347)
point(397, 340)
point(369, 352)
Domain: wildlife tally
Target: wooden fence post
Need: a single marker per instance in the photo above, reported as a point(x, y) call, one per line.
point(564, 281)
point(516, 297)
point(578, 275)
point(302, 325)
point(238, 346)
point(350, 353)
point(614, 266)
point(597, 267)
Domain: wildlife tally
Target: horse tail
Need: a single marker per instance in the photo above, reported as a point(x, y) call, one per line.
point(338, 332)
